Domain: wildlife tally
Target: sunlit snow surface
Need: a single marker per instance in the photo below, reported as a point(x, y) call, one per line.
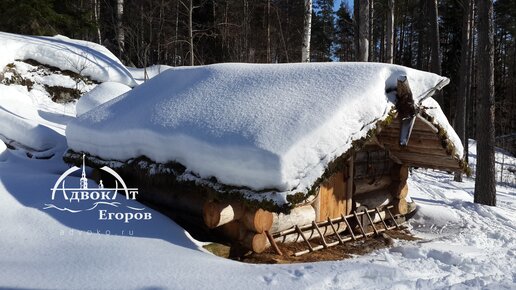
point(87, 58)
point(258, 126)
point(464, 245)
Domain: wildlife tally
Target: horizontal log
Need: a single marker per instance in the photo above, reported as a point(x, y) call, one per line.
point(235, 230)
point(257, 221)
point(371, 200)
point(422, 160)
point(413, 142)
point(436, 167)
point(367, 185)
point(430, 151)
point(302, 215)
point(371, 156)
point(415, 133)
point(216, 214)
point(421, 124)
point(367, 170)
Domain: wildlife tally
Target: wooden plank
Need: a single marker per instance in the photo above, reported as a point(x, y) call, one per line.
point(421, 125)
point(414, 142)
point(415, 133)
point(431, 161)
point(430, 151)
point(333, 197)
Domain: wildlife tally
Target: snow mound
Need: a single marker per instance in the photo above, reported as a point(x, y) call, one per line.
point(18, 123)
point(82, 57)
point(256, 125)
point(3, 148)
point(143, 74)
point(99, 95)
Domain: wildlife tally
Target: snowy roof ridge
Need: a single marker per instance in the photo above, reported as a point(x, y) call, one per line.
point(254, 125)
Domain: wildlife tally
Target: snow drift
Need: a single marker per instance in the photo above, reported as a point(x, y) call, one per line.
point(254, 125)
point(19, 120)
point(82, 57)
point(99, 95)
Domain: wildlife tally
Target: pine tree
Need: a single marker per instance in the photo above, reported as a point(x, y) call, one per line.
point(344, 34)
point(323, 32)
point(485, 182)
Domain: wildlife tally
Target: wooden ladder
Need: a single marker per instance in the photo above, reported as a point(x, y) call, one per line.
point(334, 226)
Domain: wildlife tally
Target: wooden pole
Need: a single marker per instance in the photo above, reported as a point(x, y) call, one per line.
point(273, 243)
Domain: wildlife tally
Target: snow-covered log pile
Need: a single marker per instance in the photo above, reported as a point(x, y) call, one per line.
point(251, 128)
point(81, 57)
point(39, 72)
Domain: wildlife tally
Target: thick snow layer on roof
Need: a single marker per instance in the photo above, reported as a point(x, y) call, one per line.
point(99, 95)
point(254, 125)
point(434, 110)
point(83, 57)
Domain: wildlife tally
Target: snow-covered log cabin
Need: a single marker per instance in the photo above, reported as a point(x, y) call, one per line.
point(249, 149)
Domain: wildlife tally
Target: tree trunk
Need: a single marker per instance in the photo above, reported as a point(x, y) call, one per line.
point(363, 30)
point(176, 33)
point(190, 31)
point(120, 33)
point(435, 43)
point(390, 32)
point(485, 182)
point(96, 13)
point(268, 31)
point(371, 31)
point(307, 31)
point(356, 27)
point(460, 121)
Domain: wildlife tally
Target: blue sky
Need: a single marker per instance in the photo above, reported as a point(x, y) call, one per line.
point(336, 4)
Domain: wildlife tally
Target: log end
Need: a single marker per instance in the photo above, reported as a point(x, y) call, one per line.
point(211, 215)
point(259, 221)
point(256, 242)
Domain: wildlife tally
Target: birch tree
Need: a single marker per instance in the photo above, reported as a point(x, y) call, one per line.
point(307, 31)
point(435, 44)
point(120, 34)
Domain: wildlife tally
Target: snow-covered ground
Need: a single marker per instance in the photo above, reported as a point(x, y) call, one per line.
point(464, 245)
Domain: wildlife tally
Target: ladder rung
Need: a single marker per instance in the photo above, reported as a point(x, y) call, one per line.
point(320, 234)
point(372, 223)
point(359, 224)
point(335, 231)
